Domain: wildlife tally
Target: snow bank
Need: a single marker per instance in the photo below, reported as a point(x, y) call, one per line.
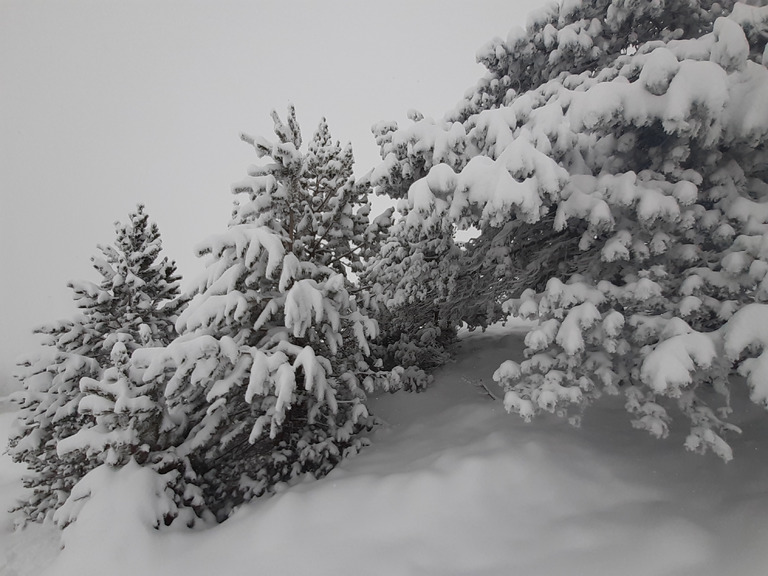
point(451, 485)
point(8, 384)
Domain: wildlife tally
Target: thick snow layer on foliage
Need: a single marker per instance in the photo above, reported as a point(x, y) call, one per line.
point(451, 485)
point(618, 148)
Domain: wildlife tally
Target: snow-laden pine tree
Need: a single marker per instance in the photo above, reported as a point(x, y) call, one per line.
point(274, 356)
point(80, 408)
point(614, 161)
point(417, 274)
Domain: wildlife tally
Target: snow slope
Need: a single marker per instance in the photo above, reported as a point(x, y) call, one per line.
point(451, 485)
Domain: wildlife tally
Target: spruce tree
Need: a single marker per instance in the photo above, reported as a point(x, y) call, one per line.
point(79, 408)
point(274, 355)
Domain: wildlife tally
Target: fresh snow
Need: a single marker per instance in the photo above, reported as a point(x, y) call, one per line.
point(452, 484)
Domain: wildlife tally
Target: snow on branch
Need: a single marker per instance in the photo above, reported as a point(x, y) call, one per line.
point(667, 369)
point(747, 330)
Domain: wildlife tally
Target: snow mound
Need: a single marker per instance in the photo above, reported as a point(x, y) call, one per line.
point(453, 485)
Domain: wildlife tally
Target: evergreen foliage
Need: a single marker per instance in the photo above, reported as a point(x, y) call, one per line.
point(572, 37)
point(273, 359)
point(414, 277)
point(80, 407)
point(614, 162)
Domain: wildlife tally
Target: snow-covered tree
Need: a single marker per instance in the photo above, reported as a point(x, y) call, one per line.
point(274, 355)
point(413, 278)
point(79, 407)
point(614, 161)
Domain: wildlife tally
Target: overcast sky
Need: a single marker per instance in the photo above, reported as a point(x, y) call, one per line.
point(104, 104)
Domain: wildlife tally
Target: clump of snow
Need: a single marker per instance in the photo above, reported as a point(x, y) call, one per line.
point(748, 328)
point(731, 48)
point(667, 369)
point(658, 71)
point(134, 496)
point(579, 318)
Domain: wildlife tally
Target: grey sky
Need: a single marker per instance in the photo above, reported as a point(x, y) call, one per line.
point(104, 104)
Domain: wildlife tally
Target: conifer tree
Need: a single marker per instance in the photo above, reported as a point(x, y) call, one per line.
point(274, 355)
point(613, 159)
point(63, 429)
point(413, 277)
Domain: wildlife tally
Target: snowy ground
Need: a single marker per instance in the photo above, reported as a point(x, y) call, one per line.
point(452, 485)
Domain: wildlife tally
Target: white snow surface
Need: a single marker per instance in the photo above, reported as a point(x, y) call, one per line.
point(451, 485)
